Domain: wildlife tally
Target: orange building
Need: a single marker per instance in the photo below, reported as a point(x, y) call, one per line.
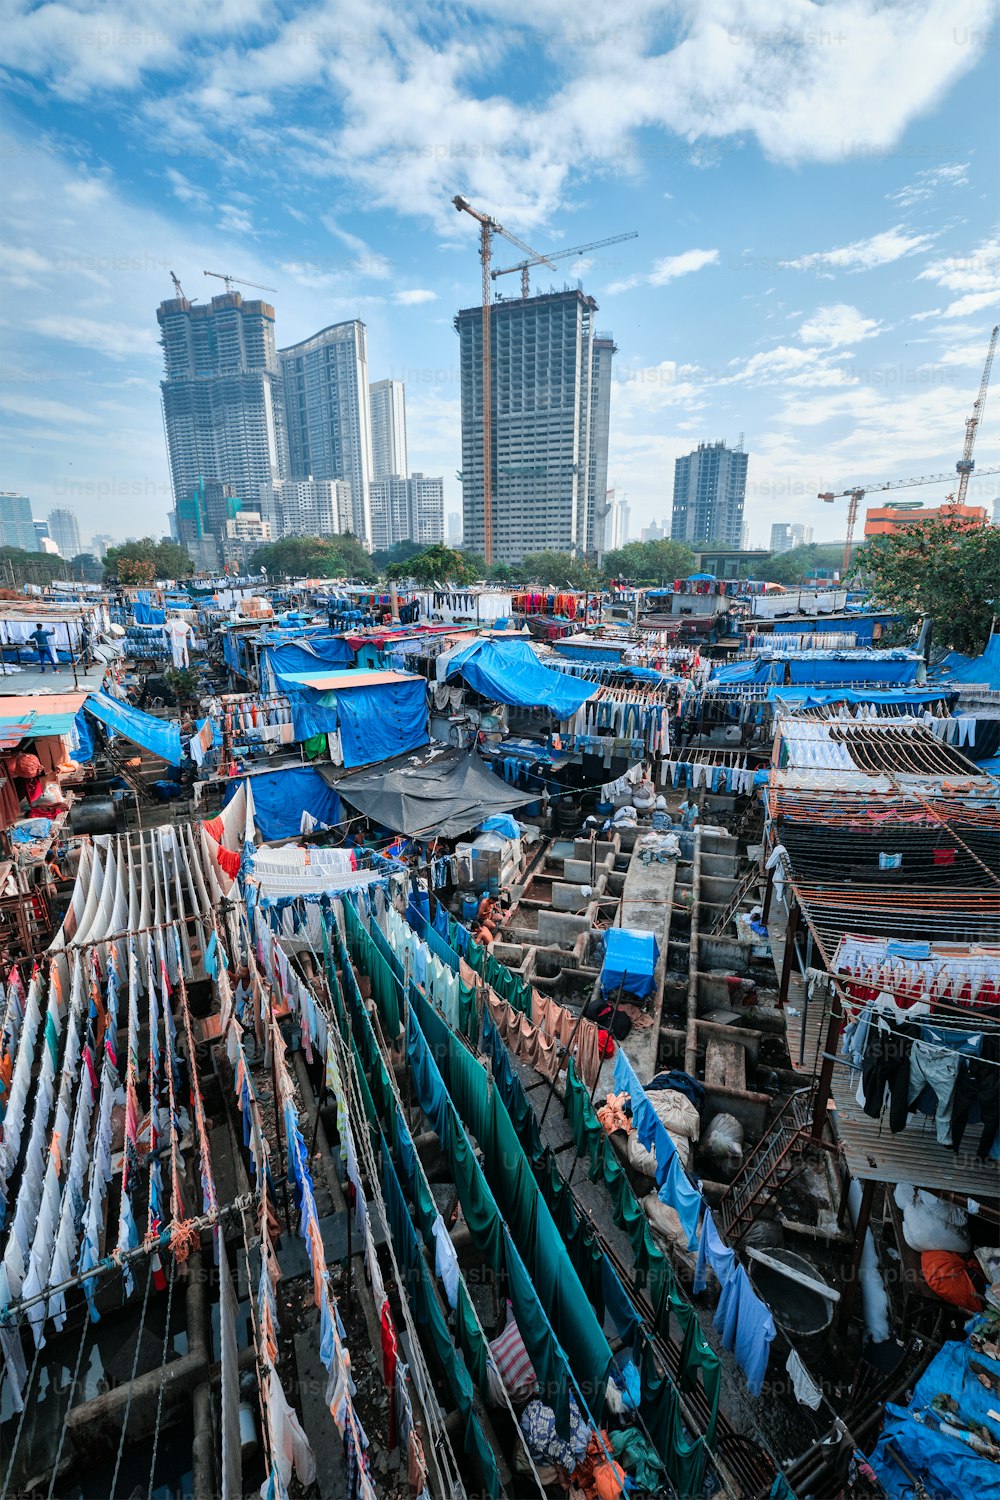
point(883, 520)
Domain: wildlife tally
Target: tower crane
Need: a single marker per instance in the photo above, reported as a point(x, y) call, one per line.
point(488, 227)
point(177, 287)
point(966, 463)
point(855, 497)
point(239, 280)
point(524, 266)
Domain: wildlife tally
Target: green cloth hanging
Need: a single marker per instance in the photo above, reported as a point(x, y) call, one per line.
point(588, 1132)
point(471, 1338)
point(315, 745)
point(428, 1313)
point(661, 1410)
point(638, 1457)
point(468, 1012)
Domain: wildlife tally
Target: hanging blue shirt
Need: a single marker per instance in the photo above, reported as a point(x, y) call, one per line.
point(747, 1328)
point(714, 1252)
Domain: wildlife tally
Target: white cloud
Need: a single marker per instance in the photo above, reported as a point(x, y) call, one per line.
point(410, 112)
point(973, 302)
point(118, 340)
point(673, 266)
point(669, 269)
point(976, 275)
point(926, 183)
point(414, 295)
point(862, 255)
point(837, 325)
point(367, 262)
point(41, 409)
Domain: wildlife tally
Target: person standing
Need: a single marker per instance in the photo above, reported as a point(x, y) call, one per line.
point(46, 652)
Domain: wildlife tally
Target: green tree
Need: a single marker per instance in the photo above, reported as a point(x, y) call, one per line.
point(799, 563)
point(18, 567)
point(947, 569)
point(315, 557)
point(144, 561)
point(87, 568)
point(437, 564)
point(400, 552)
point(649, 562)
point(557, 570)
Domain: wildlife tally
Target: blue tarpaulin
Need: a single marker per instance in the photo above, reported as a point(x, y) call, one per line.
point(380, 721)
point(146, 613)
point(510, 672)
point(945, 1464)
point(812, 697)
point(84, 752)
point(750, 672)
point(630, 955)
point(875, 668)
point(985, 668)
point(305, 654)
point(281, 797)
point(160, 736)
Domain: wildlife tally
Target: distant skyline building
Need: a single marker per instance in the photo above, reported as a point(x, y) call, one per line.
point(41, 533)
point(64, 529)
point(100, 542)
point(657, 531)
point(307, 507)
point(407, 510)
point(387, 400)
point(454, 528)
point(785, 535)
point(17, 528)
point(551, 406)
point(329, 417)
point(617, 521)
point(223, 399)
point(709, 492)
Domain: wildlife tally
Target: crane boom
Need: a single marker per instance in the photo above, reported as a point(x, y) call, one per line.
point(525, 265)
point(239, 280)
point(488, 227)
point(966, 463)
point(855, 497)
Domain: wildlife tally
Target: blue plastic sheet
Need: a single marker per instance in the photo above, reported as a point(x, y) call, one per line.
point(160, 736)
point(281, 797)
point(630, 955)
point(946, 1465)
point(871, 669)
point(750, 672)
point(146, 614)
point(84, 752)
point(311, 654)
point(382, 721)
point(510, 672)
point(805, 697)
point(985, 668)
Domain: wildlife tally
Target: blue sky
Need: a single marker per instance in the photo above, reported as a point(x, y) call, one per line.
point(814, 187)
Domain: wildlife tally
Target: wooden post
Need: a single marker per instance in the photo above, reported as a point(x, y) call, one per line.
point(861, 1229)
point(789, 954)
point(768, 893)
point(826, 1070)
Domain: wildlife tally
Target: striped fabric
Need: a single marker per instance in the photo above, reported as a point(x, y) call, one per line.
point(511, 1360)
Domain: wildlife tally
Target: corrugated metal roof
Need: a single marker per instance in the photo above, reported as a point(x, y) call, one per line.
point(13, 731)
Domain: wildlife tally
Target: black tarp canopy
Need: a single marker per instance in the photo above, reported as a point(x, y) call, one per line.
point(441, 792)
